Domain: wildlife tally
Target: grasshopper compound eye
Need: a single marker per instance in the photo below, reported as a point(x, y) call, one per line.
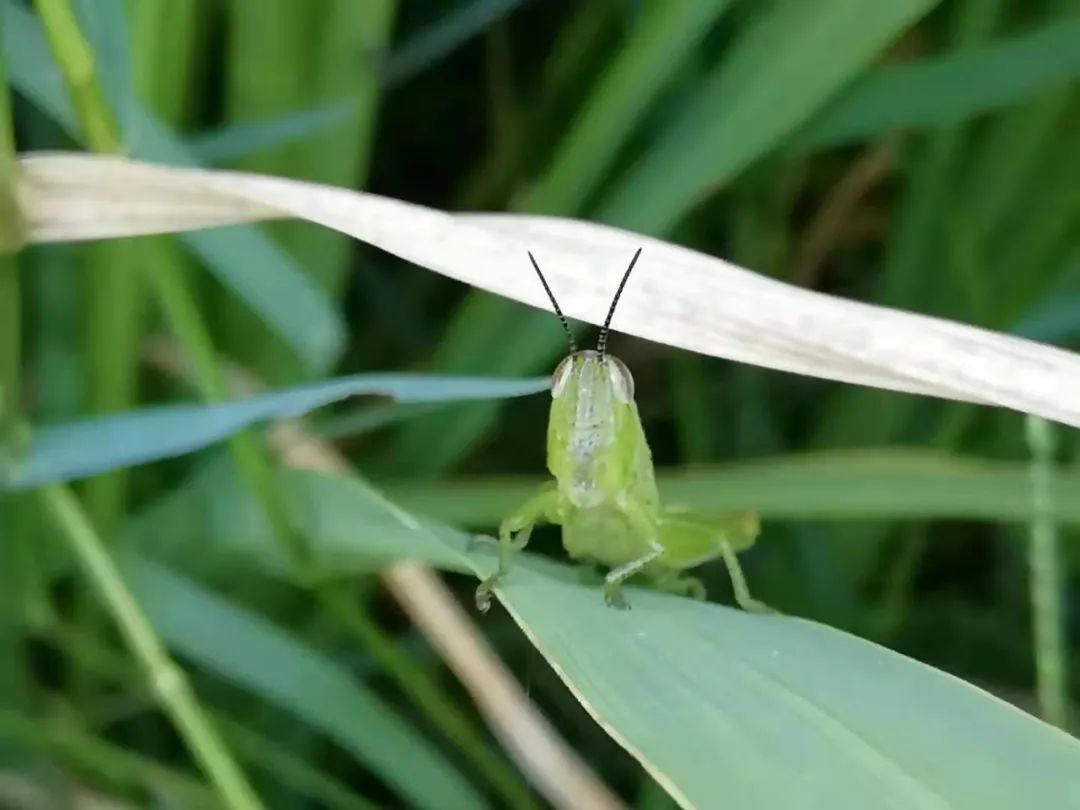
point(621, 381)
point(561, 376)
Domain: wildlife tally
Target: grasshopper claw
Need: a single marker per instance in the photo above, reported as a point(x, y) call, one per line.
point(613, 597)
point(483, 594)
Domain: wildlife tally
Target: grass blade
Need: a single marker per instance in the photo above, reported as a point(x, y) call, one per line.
point(443, 37)
point(708, 305)
point(63, 452)
point(172, 688)
point(666, 35)
point(891, 483)
point(248, 650)
point(1047, 583)
point(788, 62)
point(947, 90)
point(234, 141)
point(242, 259)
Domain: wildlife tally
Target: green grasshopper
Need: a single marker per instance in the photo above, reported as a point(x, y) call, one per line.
point(604, 491)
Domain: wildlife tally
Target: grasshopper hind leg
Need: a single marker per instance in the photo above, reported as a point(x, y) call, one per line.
point(738, 582)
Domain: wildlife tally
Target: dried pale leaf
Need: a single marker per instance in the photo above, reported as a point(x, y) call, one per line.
point(678, 296)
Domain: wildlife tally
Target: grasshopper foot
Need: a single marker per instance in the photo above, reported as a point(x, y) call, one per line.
point(613, 597)
point(751, 605)
point(483, 593)
point(682, 586)
point(694, 588)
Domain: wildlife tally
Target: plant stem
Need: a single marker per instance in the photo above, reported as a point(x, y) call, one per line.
point(10, 314)
point(167, 680)
point(113, 290)
point(1044, 559)
point(76, 61)
point(15, 572)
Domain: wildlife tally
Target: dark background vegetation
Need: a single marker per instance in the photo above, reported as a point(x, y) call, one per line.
point(469, 105)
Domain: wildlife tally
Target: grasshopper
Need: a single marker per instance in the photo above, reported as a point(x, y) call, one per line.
point(604, 492)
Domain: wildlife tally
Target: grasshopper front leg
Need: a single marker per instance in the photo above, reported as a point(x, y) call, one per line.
point(514, 533)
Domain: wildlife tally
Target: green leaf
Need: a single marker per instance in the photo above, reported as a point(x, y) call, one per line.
point(241, 257)
point(948, 90)
point(862, 484)
point(264, 659)
point(782, 68)
point(214, 510)
point(78, 449)
point(766, 711)
point(487, 335)
point(779, 712)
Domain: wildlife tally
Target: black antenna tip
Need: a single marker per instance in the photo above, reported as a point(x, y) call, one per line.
point(601, 343)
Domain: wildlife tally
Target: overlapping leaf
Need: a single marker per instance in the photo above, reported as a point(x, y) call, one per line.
point(679, 297)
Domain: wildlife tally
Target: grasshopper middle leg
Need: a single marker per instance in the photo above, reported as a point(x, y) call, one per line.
point(612, 594)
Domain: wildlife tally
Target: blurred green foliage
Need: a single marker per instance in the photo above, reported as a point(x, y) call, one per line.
point(914, 153)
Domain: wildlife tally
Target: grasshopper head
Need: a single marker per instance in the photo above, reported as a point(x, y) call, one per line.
point(595, 441)
point(590, 431)
point(593, 369)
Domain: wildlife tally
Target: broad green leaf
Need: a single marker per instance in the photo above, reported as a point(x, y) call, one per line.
point(941, 91)
point(781, 69)
point(266, 660)
point(765, 711)
point(778, 712)
point(849, 485)
point(78, 449)
point(241, 258)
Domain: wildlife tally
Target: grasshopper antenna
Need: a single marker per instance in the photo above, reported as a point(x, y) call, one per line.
point(554, 303)
point(601, 344)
